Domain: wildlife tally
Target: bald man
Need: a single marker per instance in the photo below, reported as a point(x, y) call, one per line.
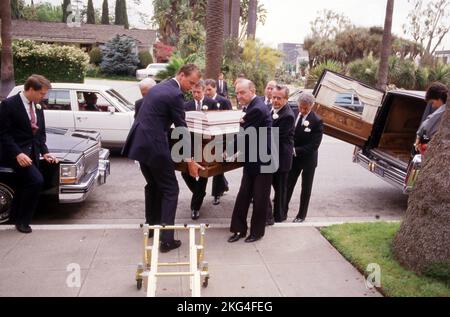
point(144, 86)
point(256, 182)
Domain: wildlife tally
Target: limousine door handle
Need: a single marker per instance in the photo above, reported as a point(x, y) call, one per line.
point(82, 119)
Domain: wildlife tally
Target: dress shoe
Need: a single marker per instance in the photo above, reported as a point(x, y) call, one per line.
point(226, 190)
point(195, 214)
point(236, 237)
point(216, 200)
point(251, 239)
point(298, 220)
point(23, 228)
point(168, 246)
point(270, 222)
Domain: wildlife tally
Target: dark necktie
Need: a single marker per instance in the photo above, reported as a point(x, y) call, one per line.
point(199, 107)
point(33, 121)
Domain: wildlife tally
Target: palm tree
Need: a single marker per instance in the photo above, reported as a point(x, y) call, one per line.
point(235, 16)
point(252, 18)
point(214, 38)
point(7, 68)
point(227, 18)
point(386, 47)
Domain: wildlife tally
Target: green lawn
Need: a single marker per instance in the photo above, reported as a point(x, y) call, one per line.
point(366, 243)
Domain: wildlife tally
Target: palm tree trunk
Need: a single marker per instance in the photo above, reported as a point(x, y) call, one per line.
point(386, 47)
point(252, 18)
point(235, 18)
point(7, 69)
point(214, 38)
point(227, 19)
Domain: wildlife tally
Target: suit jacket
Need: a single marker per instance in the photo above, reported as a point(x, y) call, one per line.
point(224, 91)
point(307, 141)
point(137, 106)
point(286, 125)
point(263, 99)
point(16, 134)
point(257, 116)
point(148, 140)
point(212, 105)
point(225, 104)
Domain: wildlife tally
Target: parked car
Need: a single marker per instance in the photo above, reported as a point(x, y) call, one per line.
point(349, 101)
point(383, 133)
point(151, 71)
point(83, 165)
point(70, 106)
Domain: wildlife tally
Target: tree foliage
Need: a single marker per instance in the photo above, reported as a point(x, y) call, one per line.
point(90, 13)
point(428, 25)
point(121, 15)
point(328, 24)
point(105, 13)
point(191, 39)
point(120, 56)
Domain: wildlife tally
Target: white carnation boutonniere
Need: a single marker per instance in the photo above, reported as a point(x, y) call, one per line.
point(306, 123)
point(205, 108)
point(275, 116)
point(38, 106)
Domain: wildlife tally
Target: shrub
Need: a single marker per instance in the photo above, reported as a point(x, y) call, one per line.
point(365, 70)
point(55, 62)
point(402, 73)
point(95, 56)
point(316, 71)
point(145, 58)
point(440, 72)
point(120, 56)
point(422, 75)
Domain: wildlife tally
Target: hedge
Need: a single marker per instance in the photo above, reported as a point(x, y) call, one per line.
point(57, 63)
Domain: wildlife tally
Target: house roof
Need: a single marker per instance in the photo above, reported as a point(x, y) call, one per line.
point(445, 52)
point(86, 34)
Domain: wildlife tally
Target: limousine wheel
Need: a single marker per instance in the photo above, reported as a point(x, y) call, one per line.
point(6, 197)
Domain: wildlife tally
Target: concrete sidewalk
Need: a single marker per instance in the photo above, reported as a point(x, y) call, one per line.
point(290, 261)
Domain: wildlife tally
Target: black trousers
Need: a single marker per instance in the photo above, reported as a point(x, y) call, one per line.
point(279, 184)
point(219, 185)
point(30, 183)
point(256, 187)
point(307, 183)
point(198, 189)
point(161, 196)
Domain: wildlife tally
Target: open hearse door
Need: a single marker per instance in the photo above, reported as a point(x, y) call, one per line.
point(385, 131)
point(341, 123)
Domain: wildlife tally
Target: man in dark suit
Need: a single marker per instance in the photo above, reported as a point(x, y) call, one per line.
point(22, 135)
point(148, 144)
point(211, 92)
point(283, 120)
point(222, 86)
point(267, 98)
point(198, 186)
point(307, 139)
point(144, 86)
point(200, 102)
point(220, 183)
point(257, 176)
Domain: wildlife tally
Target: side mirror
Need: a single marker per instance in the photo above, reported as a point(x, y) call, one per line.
point(111, 109)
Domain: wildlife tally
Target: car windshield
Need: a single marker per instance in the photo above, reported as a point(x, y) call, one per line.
point(120, 99)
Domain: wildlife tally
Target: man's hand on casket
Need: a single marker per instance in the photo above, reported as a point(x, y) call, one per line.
point(194, 167)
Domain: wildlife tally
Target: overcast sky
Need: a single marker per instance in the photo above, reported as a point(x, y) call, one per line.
point(289, 20)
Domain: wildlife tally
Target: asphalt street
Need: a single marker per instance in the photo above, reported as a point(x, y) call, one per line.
point(342, 190)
